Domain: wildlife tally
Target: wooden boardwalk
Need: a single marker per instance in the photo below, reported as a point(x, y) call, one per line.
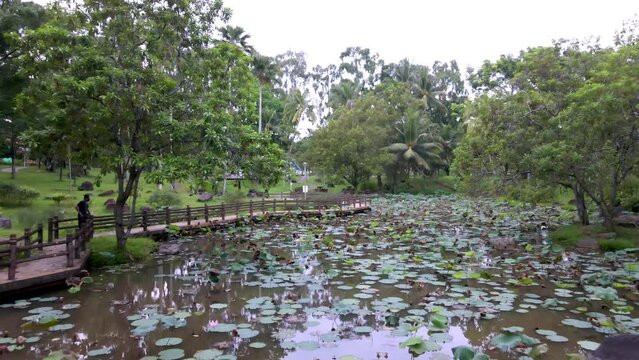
point(53, 262)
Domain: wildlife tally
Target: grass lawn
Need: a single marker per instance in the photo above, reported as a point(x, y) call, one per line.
point(47, 183)
point(622, 238)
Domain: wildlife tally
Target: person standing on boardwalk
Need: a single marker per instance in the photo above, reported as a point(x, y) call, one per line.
point(83, 210)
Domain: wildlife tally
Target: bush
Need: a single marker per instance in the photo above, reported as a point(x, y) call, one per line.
point(164, 198)
point(629, 193)
point(104, 251)
point(233, 197)
point(58, 197)
point(615, 244)
point(531, 192)
point(14, 195)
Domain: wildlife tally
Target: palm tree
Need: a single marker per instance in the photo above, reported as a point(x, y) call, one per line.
point(403, 71)
point(344, 93)
point(235, 35)
point(266, 71)
point(425, 89)
point(413, 149)
point(296, 107)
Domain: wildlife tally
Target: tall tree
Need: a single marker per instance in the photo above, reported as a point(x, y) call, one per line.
point(16, 17)
point(237, 36)
point(266, 71)
point(416, 148)
point(131, 70)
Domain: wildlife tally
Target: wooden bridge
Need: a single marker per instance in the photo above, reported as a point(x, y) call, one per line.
point(29, 261)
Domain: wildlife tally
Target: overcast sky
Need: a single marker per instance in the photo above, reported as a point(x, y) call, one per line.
point(469, 31)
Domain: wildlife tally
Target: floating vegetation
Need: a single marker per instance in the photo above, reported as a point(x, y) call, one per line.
point(428, 277)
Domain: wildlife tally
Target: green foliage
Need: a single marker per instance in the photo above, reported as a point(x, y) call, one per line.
point(617, 244)
point(349, 146)
point(12, 195)
point(629, 193)
point(568, 235)
point(58, 197)
point(164, 198)
point(531, 191)
point(560, 115)
point(104, 251)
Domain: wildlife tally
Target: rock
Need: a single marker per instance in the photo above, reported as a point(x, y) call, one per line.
point(109, 204)
point(502, 243)
point(204, 196)
point(86, 186)
point(169, 249)
point(617, 347)
point(5, 223)
point(107, 193)
point(627, 219)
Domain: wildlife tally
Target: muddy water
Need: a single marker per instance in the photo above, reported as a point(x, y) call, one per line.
point(358, 263)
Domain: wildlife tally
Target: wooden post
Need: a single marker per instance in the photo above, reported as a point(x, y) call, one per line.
point(13, 254)
point(206, 213)
point(85, 237)
point(76, 243)
point(251, 208)
point(285, 208)
point(237, 210)
point(56, 228)
point(167, 214)
point(145, 219)
point(263, 206)
point(274, 207)
point(69, 250)
point(188, 215)
point(40, 234)
point(50, 230)
point(222, 210)
point(27, 243)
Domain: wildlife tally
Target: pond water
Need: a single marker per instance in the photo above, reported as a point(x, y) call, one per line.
point(431, 273)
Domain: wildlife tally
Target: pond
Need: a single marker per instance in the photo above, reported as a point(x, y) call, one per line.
point(414, 279)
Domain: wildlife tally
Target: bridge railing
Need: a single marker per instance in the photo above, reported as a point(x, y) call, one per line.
point(30, 246)
point(25, 248)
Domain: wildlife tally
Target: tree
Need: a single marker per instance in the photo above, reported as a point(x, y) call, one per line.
point(343, 94)
point(414, 149)
point(562, 115)
point(127, 72)
point(15, 17)
point(235, 35)
point(348, 148)
point(265, 71)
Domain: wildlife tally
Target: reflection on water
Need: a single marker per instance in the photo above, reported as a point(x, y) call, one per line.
point(329, 285)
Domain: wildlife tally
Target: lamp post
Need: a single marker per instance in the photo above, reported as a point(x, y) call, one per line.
point(13, 148)
point(305, 174)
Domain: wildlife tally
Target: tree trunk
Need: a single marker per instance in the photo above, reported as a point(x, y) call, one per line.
point(13, 156)
point(259, 125)
point(126, 182)
point(379, 184)
point(580, 203)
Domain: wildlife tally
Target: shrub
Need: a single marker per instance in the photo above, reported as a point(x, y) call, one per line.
point(15, 195)
point(629, 193)
point(58, 197)
point(233, 197)
point(164, 198)
point(615, 244)
point(104, 251)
